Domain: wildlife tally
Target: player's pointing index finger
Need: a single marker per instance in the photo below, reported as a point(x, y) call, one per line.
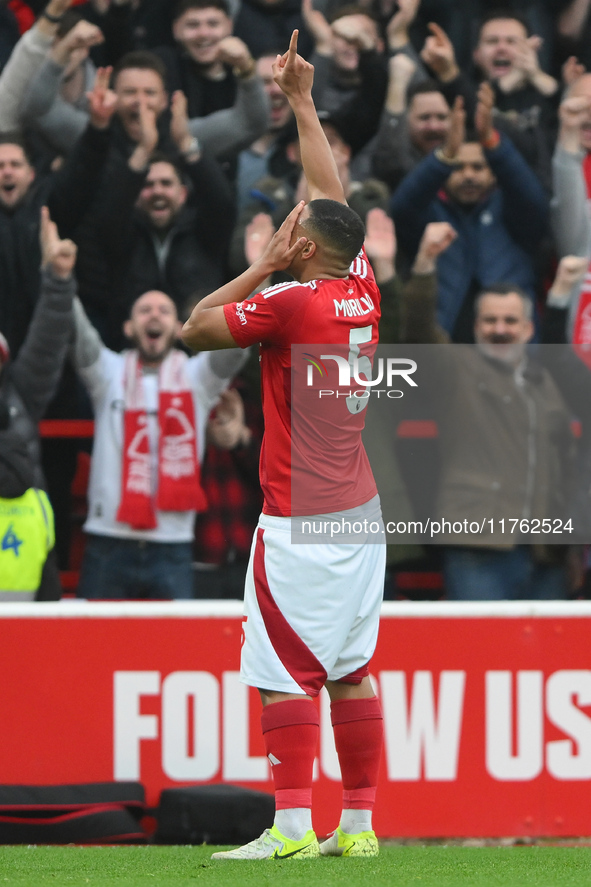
point(291, 54)
point(293, 44)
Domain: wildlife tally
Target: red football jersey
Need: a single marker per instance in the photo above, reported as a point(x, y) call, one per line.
point(312, 457)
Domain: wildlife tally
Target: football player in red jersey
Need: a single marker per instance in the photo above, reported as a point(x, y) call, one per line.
point(312, 607)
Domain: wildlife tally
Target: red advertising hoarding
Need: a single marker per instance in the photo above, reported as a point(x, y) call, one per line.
point(487, 709)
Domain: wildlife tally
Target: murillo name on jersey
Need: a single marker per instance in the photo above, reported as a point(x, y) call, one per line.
point(354, 307)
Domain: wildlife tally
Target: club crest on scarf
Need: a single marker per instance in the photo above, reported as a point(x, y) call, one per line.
point(177, 452)
point(138, 480)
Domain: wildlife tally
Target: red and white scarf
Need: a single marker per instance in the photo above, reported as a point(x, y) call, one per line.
point(179, 481)
point(582, 325)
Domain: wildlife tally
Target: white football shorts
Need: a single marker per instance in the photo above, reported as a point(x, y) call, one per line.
point(312, 610)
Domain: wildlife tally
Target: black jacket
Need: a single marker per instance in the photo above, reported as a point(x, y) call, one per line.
point(68, 194)
point(204, 96)
point(119, 256)
point(28, 383)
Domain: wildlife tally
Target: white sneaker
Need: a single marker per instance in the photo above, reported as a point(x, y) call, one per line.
point(273, 845)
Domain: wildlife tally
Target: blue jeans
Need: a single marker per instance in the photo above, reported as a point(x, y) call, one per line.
point(482, 574)
point(135, 569)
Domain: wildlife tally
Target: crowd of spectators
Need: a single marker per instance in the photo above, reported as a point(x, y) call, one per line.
point(147, 141)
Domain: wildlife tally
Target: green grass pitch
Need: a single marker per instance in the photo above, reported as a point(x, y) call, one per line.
point(397, 866)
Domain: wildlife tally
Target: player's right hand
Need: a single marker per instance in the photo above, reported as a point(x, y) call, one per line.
point(281, 251)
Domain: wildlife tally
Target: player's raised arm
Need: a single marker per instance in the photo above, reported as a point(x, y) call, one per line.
point(295, 77)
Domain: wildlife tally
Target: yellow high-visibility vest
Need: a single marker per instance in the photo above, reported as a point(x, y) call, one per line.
point(27, 534)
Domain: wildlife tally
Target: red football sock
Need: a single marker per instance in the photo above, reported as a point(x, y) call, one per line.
point(359, 735)
point(290, 730)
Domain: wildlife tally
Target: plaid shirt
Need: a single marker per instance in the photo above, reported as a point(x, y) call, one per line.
point(230, 478)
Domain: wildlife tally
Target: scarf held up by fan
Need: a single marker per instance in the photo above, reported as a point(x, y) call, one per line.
point(178, 485)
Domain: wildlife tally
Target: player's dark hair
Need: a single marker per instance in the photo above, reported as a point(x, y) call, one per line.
point(143, 60)
point(502, 12)
point(337, 226)
point(505, 289)
point(184, 6)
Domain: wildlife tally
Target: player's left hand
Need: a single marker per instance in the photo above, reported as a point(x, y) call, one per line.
point(293, 73)
point(280, 252)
